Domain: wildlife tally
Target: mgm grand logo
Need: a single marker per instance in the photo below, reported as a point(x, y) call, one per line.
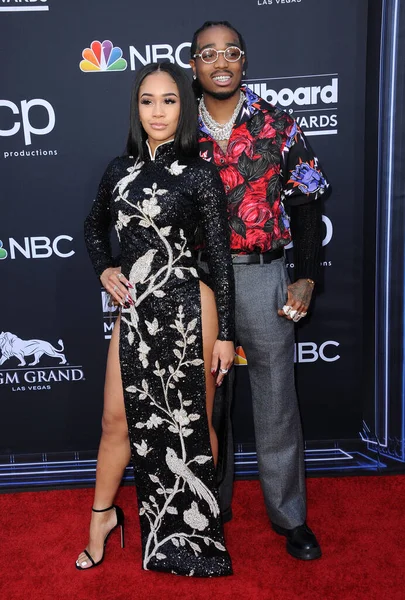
point(27, 376)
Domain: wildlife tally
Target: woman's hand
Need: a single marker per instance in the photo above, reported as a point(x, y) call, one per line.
point(223, 356)
point(116, 285)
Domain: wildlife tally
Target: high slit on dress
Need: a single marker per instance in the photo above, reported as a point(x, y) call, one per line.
point(156, 207)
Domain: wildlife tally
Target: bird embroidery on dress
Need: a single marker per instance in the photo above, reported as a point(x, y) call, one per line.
point(179, 467)
point(142, 267)
point(125, 181)
point(175, 168)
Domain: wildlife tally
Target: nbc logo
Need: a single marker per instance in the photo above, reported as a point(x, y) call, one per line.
point(304, 352)
point(240, 357)
point(3, 252)
point(101, 57)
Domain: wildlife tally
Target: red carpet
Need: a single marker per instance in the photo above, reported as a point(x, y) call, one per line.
point(360, 523)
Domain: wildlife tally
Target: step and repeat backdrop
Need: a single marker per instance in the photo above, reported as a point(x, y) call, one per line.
point(64, 107)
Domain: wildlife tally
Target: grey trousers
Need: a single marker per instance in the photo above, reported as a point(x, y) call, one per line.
point(268, 341)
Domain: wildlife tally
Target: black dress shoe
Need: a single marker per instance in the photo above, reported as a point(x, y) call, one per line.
point(301, 541)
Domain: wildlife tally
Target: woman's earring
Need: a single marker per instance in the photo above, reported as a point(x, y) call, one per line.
point(194, 76)
point(243, 72)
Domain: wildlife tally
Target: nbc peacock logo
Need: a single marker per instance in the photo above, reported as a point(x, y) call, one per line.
point(102, 57)
point(240, 359)
point(3, 251)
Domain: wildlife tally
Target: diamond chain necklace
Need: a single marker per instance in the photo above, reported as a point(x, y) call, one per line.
point(218, 131)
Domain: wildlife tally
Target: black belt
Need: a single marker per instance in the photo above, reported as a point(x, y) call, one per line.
point(255, 259)
point(250, 259)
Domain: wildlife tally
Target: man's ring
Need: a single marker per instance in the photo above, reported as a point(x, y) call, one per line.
point(286, 309)
point(292, 313)
point(299, 316)
point(223, 371)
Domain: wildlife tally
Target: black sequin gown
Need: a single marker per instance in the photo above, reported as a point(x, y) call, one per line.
point(156, 207)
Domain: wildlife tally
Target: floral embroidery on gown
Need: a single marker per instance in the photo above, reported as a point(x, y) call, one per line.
point(156, 207)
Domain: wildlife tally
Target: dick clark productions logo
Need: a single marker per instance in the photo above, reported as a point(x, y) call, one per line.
point(102, 57)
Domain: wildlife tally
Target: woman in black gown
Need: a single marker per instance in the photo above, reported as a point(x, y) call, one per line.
point(170, 335)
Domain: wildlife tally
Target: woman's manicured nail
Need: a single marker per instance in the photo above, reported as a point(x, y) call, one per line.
point(130, 285)
point(213, 372)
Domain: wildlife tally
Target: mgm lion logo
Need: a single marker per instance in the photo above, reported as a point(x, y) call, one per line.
point(11, 345)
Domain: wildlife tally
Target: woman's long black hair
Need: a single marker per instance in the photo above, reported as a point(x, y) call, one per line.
point(186, 140)
point(197, 89)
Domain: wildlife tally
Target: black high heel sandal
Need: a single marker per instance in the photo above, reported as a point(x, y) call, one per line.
point(120, 523)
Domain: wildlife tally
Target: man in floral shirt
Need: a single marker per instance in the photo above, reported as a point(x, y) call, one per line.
point(265, 162)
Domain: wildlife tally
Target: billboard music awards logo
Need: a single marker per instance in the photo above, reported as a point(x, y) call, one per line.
point(27, 376)
point(110, 313)
point(23, 121)
point(311, 99)
point(24, 5)
point(37, 247)
point(104, 57)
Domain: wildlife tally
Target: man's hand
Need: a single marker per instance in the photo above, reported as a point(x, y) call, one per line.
point(298, 300)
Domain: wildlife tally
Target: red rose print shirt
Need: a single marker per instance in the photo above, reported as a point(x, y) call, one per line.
point(268, 162)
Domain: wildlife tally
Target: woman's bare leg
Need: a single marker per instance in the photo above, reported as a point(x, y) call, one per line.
point(209, 319)
point(113, 454)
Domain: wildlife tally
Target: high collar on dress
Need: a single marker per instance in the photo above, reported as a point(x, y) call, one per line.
point(162, 150)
